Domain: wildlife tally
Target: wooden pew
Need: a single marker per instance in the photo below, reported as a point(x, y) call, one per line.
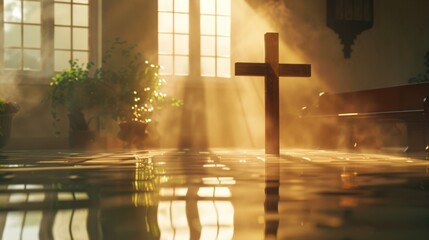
point(406, 103)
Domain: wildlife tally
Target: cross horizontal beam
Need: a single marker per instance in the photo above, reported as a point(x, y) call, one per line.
point(285, 70)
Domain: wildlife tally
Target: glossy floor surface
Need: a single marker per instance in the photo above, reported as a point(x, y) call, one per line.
point(218, 194)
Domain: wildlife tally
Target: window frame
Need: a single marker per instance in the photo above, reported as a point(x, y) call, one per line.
point(174, 34)
point(22, 24)
point(43, 76)
point(195, 53)
point(216, 35)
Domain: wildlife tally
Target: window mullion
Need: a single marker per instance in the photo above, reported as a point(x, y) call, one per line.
point(47, 25)
point(71, 31)
point(194, 39)
point(22, 34)
point(216, 40)
point(94, 44)
point(2, 35)
point(174, 37)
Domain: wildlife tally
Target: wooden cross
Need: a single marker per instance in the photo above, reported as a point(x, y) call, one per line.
point(272, 70)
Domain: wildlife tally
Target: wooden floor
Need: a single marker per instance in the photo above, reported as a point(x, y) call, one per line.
point(215, 194)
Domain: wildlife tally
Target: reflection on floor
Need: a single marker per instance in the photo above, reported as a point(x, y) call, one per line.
point(218, 194)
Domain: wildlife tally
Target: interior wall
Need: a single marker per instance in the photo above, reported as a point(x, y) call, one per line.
point(233, 109)
point(388, 54)
point(134, 21)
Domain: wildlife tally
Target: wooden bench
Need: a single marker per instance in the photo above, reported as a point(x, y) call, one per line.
point(407, 103)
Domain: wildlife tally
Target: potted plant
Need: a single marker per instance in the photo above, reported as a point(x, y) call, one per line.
point(76, 90)
point(7, 111)
point(125, 88)
point(135, 88)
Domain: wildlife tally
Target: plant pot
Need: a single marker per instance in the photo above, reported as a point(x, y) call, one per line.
point(5, 128)
point(80, 137)
point(132, 133)
point(77, 121)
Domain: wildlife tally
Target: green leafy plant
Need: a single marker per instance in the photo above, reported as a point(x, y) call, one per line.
point(135, 85)
point(75, 89)
point(126, 88)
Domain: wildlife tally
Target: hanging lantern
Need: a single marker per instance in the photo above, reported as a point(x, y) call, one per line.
point(348, 18)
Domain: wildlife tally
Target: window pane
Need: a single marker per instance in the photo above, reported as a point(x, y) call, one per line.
point(224, 7)
point(181, 44)
point(223, 47)
point(63, 0)
point(32, 36)
point(181, 65)
point(32, 13)
point(208, 45)
point(181, 6)
point(12, 11)
point(62, 37)
point(62, 60)
point(80, 38)
point(208, 6)
point(81, 1)
point(165, 43)
point(165, 22)
point(223, 67)
point(208, 66)
point(173, 17)
point(81, 57)
point(208, 25)
point(62, 14)
point(80, 15)
point(223, 26)
point(166, 63)
point(165, 5)
point(181, 23)
point(12, 36)
point(12, 58)
point(31, 59)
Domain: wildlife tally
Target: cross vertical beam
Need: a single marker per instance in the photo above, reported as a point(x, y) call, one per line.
point(272, 108)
